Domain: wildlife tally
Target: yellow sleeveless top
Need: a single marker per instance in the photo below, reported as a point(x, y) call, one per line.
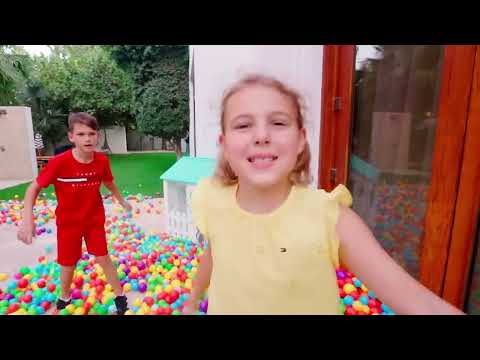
point(277, 263)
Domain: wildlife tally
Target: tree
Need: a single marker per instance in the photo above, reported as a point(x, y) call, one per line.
point(160, 73)
point(85, 78)
point(12, 73)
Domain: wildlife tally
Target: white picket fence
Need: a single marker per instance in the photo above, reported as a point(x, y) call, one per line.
point(179, 222)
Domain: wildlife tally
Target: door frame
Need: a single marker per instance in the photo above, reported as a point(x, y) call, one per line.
point(444, 233)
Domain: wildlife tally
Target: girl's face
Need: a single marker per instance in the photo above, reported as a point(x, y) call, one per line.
point(262, 139)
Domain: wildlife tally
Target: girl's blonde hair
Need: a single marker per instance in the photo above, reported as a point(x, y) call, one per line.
point(300, 174)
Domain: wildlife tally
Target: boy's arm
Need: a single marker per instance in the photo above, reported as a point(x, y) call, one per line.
point(27, 229)
point(201, 281)
point(110, 185)
point(362, 254)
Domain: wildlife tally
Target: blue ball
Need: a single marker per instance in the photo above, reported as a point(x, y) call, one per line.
point(112, 309)
point(40, 310)
point(372, 295)
point(385, 308)
point(364, 299)
point(348, 300)
point(357, 283)
point(50, 297)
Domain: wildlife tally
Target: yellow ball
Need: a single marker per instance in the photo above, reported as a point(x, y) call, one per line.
point(167, 276)
point(194, 262)
point(152, 268)
point(28, 277)
point(140, 312)
point(176, 262)
point(79, 311)
point(134, 269)
point(188, 286)
point(364, 288)
point(127, 287)
point(347, 288)
point(148, 293)
point(194, 270)
point(137, 302)
point(366, 309)
point(357, 305)
point(108, 287)
point(3, 276)
point(34, 286)
point(168, 288)
point(70, 308)
point(176, 283)
point(129, 312)
point(158, 289)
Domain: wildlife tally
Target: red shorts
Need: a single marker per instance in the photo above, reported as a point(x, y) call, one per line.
point(69, 243)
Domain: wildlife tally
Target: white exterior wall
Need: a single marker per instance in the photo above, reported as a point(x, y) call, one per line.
point(18, 160)
point(216, 67)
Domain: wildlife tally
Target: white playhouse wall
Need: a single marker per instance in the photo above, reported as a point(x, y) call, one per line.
point(213, 68)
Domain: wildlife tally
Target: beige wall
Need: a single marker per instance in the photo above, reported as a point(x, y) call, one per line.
point(213, 68)
point(17, 150)
point(116, 137)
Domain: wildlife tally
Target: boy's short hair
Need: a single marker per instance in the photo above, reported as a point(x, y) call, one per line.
point(82, 118)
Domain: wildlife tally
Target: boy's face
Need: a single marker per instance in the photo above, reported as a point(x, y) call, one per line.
point(262, 140)
point(84, 137)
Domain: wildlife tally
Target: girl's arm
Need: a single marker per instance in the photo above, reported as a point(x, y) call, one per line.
point(362, 254)
point(201, 281)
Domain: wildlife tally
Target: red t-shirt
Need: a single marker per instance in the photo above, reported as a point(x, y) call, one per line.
point(77, 187)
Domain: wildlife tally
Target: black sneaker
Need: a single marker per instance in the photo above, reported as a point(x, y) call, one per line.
point(121, 304)
point(62, 304)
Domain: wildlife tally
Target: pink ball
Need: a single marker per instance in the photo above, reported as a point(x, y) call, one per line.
point(76, 294)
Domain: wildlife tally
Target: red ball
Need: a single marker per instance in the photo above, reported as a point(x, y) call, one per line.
point(51, 287)
point(41, 283)
point(372, 304)
point(93, 275)
point(45, 305)
point(350, 311)
point(12, 308)
point(78, 282)
point(99, 289)
point(342, 293)
point(348, 281)
point(22, 283)
point(168, 311)
point(355, 295)
point(27, 298)
point(149, 300)
point(340, 283)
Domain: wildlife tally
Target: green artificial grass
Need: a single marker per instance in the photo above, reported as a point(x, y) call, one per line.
point(134, 174)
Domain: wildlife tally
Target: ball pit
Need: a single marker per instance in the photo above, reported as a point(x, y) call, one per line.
point(157, 267)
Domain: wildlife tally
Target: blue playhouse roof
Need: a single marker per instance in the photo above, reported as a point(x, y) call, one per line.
point(190, 170)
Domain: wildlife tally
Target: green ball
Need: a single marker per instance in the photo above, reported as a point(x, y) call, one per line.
point(37, 293)
point(32, 311)
point(110, 302)
point(24, 306)
point(64, 312)
point(3, 311)
point(162, 303)
point(176, 312)
point(4, 303)
point(137, 256)
point(24, 270)
point(122, 275)
point(102, 310)
point(78, 303)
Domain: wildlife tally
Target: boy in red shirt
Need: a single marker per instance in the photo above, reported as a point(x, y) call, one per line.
point(77, 176)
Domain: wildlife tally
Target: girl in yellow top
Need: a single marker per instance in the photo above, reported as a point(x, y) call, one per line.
point(274, 243)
